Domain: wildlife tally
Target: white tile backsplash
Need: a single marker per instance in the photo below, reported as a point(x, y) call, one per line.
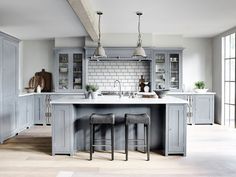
point(104, 73)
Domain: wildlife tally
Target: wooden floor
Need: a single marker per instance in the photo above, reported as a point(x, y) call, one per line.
point(211, 153)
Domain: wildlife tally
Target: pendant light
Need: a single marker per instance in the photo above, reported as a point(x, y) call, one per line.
point(139, 51)
point(99, 51)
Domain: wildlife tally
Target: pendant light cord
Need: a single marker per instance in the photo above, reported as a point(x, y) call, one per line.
point(99, 30)
point(139, 33)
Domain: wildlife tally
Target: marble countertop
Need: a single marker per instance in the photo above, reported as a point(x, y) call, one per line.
point(190, 93)
point(117, 100)
point(49, 93)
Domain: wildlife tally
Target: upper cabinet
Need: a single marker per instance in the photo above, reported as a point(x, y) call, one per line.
point(69, 74)
point(167, 70)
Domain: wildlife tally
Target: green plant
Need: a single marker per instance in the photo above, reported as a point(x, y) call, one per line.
point(200, 85)
point(91, 88)
point(88, 88)
point(94, 88)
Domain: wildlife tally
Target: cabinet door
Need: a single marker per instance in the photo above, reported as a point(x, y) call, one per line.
point(9, 80)
point(30, 111)
point(160, 70)
point(174, 78)
point(62, 129)
point(77, 71)
point(176, 129)
point(22, 112)
point(39, 117)
point(203, 109)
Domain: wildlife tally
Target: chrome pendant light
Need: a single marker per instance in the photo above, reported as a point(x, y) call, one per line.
point(99, 51)
point(139, 51)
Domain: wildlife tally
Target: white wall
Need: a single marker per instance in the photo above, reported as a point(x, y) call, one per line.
point(197, 54)
point(197, 62)
point(36, 55)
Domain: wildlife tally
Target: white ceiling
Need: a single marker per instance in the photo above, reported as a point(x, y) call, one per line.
point(192, 18)
point(36, 19)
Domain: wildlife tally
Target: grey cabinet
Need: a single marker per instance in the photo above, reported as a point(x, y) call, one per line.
point(22, 114)
point(167, 69)
point(203, 109)
point(200, 108)
point(63, 129)
point(39, 109)
point(69, 72)
point(8, 85)
point(175, 129)
point(25, 112)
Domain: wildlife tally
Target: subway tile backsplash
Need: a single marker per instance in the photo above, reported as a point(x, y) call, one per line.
point(104, 73)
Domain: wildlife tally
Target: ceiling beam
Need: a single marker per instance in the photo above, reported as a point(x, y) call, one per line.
point(86, 15)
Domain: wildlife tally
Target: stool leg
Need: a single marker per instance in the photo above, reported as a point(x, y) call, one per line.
point(91, 141)
point(112, 142)
point(144, 138)
point(148, 141)
point(93, 137)
point(126, 141)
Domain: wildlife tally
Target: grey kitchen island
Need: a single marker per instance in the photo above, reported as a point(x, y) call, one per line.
point(70, 122)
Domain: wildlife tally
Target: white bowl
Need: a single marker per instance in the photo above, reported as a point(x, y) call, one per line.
point(200, 90)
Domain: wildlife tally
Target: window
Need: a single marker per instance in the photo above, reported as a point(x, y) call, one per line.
point(228, 57)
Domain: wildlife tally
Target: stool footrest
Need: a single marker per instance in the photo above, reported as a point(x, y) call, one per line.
point(101, 145)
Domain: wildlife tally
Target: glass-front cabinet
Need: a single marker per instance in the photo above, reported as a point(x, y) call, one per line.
point(68, 75)
point(167, 70)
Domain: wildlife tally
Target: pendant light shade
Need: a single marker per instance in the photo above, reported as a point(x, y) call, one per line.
point(99, 51)
point(139, 51)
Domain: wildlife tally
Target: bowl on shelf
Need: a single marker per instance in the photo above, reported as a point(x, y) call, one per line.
point(200, 90)
point(161, 92)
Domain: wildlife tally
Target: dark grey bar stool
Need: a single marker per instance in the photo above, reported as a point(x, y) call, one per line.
point(101, 119)
point(138, 119)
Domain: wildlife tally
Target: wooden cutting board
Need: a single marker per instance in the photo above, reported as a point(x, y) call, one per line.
point(47, 76)
point(35, 81)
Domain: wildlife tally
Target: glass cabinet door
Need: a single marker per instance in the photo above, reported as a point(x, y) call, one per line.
point(63, 72)
point(160, 70)
point(77, 71)
point(174, 71)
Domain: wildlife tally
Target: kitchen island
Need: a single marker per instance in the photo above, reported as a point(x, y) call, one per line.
point(70, 123)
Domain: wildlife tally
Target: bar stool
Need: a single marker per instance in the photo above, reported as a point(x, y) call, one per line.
point(101, 119)
point(138, 119)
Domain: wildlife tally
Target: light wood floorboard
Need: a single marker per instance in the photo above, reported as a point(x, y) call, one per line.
point(211, 153)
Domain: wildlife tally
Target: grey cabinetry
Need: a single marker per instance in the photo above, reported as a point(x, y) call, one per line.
point(167, 69)
point(39, 109)
point(175, 129)
point(63, 130)
point(203, 109)
point(25, 112)
point(69, 70)
point(8, 85)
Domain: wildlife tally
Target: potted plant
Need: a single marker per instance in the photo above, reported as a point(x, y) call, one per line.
point(200, 87)
point(91, 91)
point(94, 89)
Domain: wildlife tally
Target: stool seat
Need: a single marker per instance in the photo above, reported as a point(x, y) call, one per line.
point(102, 118)
point(137, 119)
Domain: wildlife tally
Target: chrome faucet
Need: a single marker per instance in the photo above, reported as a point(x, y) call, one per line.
point(120, 93)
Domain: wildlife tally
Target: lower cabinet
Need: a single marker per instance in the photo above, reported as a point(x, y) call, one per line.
point(25, 112)
point(62, 130)
point(200, 108)
point(39, 109)
point(203, 109)
point(175, 129)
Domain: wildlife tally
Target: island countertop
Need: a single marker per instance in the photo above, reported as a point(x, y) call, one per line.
point(117, 100)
